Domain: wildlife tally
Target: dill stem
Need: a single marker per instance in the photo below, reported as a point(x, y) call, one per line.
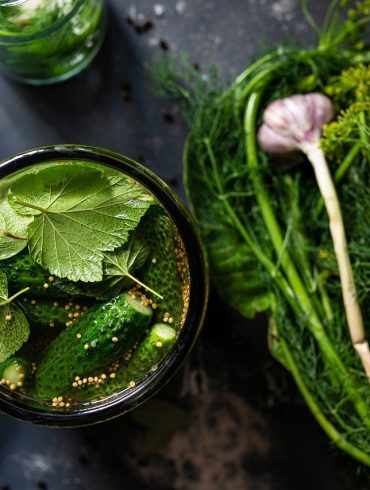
point(257, 64)
point(310, 20)
point(252, 85)
point(347, 162)
point(313, 321)
point(343, 33)
point(268, 214)
point(265, 261)
point(325, 299)
point(330, 430)
point(349, 293)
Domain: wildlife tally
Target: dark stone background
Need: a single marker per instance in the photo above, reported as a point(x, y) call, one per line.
point(234, 419)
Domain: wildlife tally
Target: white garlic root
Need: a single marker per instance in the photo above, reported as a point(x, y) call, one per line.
point(349, 293)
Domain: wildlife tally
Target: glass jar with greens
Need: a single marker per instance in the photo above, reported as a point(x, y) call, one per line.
point(46, 41)
point(103, 285)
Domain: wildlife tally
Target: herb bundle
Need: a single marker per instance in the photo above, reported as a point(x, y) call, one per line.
point(262, 217)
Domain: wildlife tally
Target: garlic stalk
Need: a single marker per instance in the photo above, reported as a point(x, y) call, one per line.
point(295, 123)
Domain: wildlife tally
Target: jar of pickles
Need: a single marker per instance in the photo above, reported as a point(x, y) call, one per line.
point(85, 351)
point(47, 41)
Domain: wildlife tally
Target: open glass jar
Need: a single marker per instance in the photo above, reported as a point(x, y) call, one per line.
point(47, 41)
point(96, 349)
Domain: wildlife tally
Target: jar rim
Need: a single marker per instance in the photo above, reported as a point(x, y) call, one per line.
point(12, 38)
point(124, 401)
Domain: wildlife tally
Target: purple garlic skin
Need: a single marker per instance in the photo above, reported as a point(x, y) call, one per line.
point(294, 123)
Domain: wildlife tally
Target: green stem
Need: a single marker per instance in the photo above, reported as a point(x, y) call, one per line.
point(310, 20)
point(341, 172)
point(265, 261)
point(268, 214)
point(28, 205)
point(144, 285)
point(362, 124)
point(313, 321)
point(347, 162)
point(258, 78)
point(257, 64)
point(343, 33)
point(9, 234)
point(330, 430)
point(328, 19)
point(300, 247)
point(325, 299)
point(9, 300)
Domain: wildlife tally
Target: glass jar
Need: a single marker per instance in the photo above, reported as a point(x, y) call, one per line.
point(19, 405)
point(47, 41)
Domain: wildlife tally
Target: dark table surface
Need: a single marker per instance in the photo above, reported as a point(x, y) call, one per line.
point(232, 418)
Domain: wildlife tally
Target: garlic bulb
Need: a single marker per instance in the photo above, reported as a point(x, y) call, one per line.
point(294, 122)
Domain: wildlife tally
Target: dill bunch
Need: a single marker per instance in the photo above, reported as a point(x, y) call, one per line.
point(288, 267)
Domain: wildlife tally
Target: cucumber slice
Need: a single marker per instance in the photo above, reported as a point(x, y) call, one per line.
point(13, 372)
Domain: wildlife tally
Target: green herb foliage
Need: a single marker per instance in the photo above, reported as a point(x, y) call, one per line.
point(74, 225)
point(13, 228)
point(118, 269)
point(262, 219)
point(14, 328)
point(121, 263)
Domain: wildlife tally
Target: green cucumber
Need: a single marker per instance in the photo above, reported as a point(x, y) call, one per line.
point(14, 371)
point(22, 271)
point(151, 351)
point(94, 342)
point(59, 313)
point(162, 272)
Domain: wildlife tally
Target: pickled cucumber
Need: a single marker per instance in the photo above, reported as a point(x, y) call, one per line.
point(92, 343)
point(147, 356)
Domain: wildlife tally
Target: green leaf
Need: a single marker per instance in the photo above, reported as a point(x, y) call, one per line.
point(13, 230)
point(232, 264)
point(103, 290)
point(79, 214)
point(14, 328)
point(122, 262)
point(13, 332)
point(3, 286)
point(118, 267)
